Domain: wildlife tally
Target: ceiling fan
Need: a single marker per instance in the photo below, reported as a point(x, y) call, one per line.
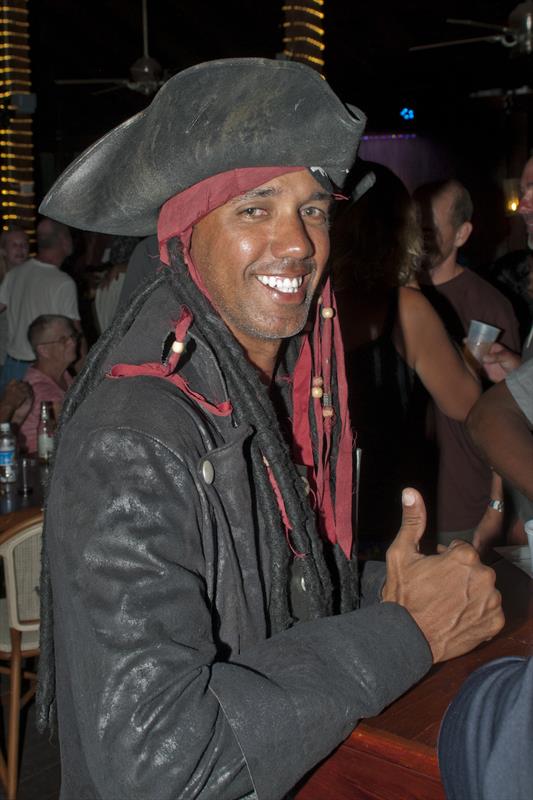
point(145, 73)
point(517, 35)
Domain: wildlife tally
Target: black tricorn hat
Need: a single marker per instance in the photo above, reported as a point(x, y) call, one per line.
point(214, 117)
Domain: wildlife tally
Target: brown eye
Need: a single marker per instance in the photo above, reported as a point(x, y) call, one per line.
point(314, 213)
point(252, 211)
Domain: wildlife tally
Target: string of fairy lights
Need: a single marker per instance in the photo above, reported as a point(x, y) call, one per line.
point(303, 33)
point(17, 199)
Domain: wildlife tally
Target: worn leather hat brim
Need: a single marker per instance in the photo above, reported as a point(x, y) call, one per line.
point(211, 118)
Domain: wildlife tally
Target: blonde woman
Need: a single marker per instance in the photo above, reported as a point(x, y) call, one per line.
point(397, 350)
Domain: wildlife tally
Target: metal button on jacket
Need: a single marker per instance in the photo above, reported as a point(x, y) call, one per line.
point(208, 473)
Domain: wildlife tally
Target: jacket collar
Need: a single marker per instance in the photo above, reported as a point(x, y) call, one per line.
point(151, 334)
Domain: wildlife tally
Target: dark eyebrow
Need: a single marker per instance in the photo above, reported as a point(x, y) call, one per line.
point(253, 194)
point(321, 196)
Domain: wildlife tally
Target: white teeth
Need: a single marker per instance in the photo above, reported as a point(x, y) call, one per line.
point(287, 285)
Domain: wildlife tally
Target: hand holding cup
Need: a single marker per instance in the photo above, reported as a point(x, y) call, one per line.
point(480, 339)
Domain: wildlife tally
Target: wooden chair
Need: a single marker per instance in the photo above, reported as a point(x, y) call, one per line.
point(20, 550)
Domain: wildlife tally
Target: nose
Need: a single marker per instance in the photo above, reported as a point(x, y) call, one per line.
point(291, 239)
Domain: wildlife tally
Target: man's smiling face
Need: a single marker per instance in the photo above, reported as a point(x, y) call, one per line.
point(261, 256)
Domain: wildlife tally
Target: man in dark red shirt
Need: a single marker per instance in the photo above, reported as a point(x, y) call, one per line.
point(459, 295)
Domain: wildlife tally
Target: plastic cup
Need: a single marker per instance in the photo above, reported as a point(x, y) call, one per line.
point(529, 531)
point(480, 338)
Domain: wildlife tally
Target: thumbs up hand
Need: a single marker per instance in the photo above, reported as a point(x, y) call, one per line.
point(451, 596)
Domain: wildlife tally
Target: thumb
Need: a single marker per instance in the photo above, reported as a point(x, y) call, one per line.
point(496, 347)
point(495, 357)
point(413, 520)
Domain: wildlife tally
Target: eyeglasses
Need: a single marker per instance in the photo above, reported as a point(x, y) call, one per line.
point(64, 339)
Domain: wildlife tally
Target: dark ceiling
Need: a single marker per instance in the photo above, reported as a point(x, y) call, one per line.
point(368, 62)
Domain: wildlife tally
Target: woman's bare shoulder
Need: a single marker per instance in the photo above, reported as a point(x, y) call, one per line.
point(412, 302)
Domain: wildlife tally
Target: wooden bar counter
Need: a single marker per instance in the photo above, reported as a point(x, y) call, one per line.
point(393, 756)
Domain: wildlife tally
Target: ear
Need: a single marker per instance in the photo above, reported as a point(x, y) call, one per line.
point(463, 233)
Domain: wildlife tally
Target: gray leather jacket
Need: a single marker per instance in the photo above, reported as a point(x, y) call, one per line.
point(167, 686)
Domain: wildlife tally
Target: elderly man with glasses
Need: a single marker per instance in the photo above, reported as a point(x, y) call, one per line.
point(54, 340)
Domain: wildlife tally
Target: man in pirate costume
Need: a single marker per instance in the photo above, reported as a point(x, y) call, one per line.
point(200, 593)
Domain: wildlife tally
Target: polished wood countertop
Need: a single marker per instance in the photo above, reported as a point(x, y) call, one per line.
point(393, 756)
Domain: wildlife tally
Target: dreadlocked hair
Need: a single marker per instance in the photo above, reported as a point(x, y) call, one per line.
point(330, 579)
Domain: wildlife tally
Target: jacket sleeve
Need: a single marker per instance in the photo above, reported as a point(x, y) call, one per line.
point(158, 714)
point(486, 734)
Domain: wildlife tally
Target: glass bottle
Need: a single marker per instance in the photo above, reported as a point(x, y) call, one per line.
point(46, 432)
point(8, 455)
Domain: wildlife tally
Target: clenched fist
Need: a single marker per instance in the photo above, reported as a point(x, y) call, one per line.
point(451, 596)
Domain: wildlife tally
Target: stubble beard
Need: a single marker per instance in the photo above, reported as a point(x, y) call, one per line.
point(258, 331)
point(293, 325)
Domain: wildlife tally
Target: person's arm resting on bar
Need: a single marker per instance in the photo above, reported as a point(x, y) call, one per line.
point(501, 431)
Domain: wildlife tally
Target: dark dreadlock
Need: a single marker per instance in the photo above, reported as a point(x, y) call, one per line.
point(323, 568)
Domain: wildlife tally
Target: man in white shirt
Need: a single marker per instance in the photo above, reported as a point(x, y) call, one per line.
point(37, 287)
